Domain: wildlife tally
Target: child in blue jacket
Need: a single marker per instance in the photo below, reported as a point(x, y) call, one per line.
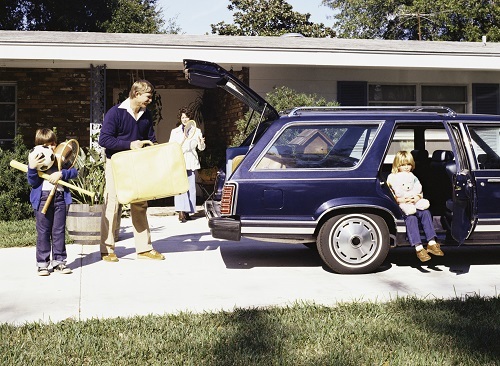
point(51, 226)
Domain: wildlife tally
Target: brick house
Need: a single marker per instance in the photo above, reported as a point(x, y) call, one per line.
point(68, 80)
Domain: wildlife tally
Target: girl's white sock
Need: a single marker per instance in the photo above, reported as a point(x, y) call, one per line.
point(419, 247)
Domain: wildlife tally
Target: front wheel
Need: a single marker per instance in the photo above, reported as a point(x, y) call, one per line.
point(353, 243)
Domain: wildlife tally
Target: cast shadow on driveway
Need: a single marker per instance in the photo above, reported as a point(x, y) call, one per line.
point(457, 259)
point(249, 253)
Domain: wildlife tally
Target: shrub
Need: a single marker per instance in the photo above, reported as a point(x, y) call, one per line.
point(281, 99)
point(14, 187)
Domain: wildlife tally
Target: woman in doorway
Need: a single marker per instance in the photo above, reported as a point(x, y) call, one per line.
point(185, 203)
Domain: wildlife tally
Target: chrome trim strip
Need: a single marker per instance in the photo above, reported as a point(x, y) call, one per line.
point(281, 223)
point(276, 230)
point(486, 228)
point(299, 179)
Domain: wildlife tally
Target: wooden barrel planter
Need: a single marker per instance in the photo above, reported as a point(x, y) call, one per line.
point(83, 223)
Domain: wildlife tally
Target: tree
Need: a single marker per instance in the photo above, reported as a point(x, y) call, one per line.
point(11, 15)
point(269, 18)
point(438, 20)
point(63, 15)
point(135, 16)
point(127, 16)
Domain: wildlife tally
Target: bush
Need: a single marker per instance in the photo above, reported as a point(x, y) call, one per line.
point(14, 187)
point(281, 99)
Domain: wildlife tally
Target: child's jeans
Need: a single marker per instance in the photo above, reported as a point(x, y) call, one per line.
point(413, 230)
point(51, 228)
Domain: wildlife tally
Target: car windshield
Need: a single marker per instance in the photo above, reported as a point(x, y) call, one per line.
point(316, 147)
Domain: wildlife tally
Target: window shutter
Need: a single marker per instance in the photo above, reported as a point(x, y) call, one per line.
point(352, 93)
point(485, 98)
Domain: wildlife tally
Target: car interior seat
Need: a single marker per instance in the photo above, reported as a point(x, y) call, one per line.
point(422, 162)
point(440, 187)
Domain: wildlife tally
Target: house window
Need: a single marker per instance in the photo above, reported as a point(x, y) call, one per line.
point(486, 98)
point(352, 93)
point(392, 95)
point(452, 96)
point(7, 115)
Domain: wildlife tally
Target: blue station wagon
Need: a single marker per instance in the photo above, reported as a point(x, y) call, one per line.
point(317, 176)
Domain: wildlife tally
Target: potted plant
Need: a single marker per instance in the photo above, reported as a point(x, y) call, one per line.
point(84, 215)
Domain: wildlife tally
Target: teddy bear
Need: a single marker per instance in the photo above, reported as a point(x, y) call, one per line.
point(406, 184)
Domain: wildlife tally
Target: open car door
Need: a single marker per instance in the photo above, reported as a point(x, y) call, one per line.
point(463, 219)
point(464, 197)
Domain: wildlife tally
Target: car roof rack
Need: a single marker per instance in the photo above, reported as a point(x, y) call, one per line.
point(414, 109)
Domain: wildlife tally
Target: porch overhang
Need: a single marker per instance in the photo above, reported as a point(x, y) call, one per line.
point(166, 52)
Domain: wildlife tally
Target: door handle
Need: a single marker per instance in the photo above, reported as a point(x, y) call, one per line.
point(493, 180)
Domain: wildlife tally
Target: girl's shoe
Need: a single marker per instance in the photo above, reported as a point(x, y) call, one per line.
point(435, 249)
point(423, 256)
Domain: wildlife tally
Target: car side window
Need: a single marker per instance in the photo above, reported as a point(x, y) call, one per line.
point(318, 147)
point(486, 145)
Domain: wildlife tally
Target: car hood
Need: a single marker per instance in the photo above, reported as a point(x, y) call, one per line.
point(209, 75)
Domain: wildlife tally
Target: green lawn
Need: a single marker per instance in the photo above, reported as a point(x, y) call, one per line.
point(20, 233)
point(404, 331)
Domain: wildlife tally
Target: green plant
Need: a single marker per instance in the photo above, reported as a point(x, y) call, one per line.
point(282, 99)
point(91, 177)
point(14, 187)
point(196, 108)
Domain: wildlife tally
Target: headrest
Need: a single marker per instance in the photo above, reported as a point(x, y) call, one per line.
point(420, 155)
point(442, 155)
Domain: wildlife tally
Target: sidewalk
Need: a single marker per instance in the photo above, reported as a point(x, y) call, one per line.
point(203, 274)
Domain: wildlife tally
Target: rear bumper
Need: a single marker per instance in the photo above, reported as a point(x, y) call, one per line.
point(225, 228)
point(221, 227)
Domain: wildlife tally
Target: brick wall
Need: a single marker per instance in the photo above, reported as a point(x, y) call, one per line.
point(60, 98)
point(51, 98)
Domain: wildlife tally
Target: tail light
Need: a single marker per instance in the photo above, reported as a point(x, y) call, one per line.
point(226, 203)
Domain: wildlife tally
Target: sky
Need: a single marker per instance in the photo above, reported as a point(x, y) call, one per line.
point(195, 16)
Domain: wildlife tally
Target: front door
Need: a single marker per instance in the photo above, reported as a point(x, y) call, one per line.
point(485, 151)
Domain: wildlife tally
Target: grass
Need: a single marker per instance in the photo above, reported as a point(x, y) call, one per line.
point(405, 331)
point(21, 233)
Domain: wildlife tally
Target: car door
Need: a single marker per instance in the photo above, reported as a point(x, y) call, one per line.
point(485, 159)
point(464, 194)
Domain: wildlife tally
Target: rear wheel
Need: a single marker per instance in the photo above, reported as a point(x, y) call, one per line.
point(354, 243)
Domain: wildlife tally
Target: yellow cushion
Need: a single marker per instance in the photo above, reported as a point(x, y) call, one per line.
point(149, 173)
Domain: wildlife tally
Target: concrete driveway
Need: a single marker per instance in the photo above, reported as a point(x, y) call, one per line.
point(203, 274)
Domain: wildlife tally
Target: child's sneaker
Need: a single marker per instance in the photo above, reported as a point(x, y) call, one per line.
point(435, 249)
point(423, 256)
point(61, 268)
point(43, 271)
